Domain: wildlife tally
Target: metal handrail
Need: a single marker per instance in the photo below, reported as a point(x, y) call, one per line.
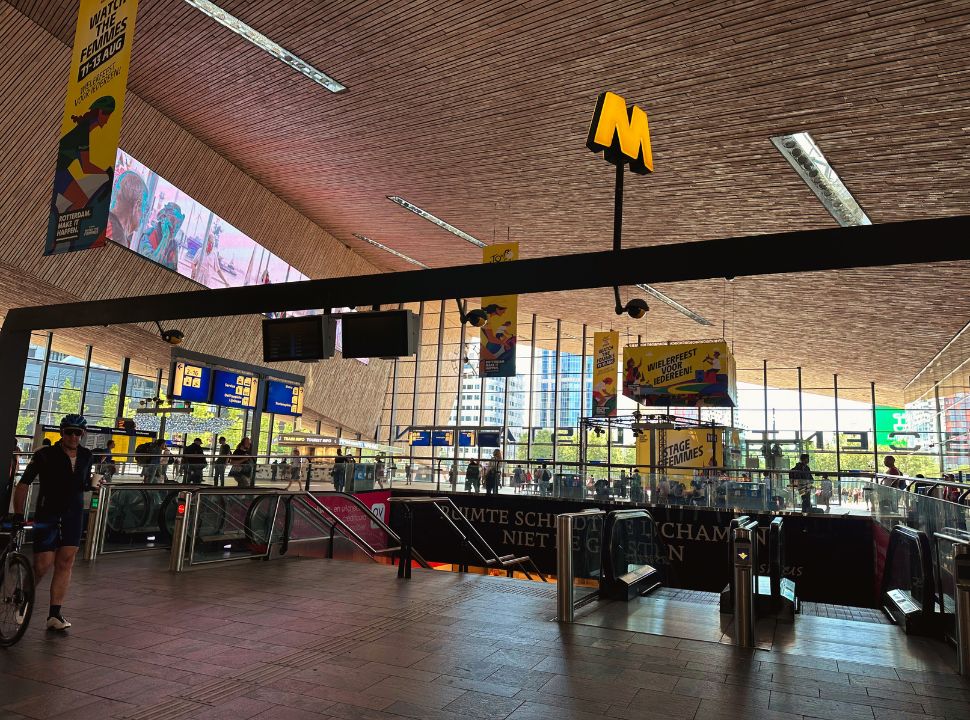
point(505, 561)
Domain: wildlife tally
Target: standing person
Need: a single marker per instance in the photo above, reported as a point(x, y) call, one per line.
point(544, 480)
point(473, 476)
point(64, 471)
point(800, 476)
point(493, 473)
point(296, 472)
point(407, 474)
point(223, 451)
point(890, 462)
point(243, 464)
point(339, 471)
point(153, 460)
point(349, 470)
point(621, 484)
point(453, 477)
point(379, 472)
point(165, 461)
point(602, 488)
point(193, 457)
point(825, 493)
point(273, 469)
point(636, 486)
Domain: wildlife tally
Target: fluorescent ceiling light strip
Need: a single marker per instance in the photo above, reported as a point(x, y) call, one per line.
point(393, 252)
point(436, 220)
point(674, 304)
point(801, 152)
point(261, 41)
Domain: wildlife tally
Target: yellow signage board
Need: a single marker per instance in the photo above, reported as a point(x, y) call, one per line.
point(686, 375)
point(695, 448)
point(91, 125)
point(622, 134)
point(497, 353)
point(606, 350)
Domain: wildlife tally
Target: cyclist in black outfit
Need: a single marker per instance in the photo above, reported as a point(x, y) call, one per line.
point(64, 471)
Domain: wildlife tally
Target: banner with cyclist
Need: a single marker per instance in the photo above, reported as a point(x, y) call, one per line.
point(497, 354)
point(684, 375)
point(91, 125)
point(606, 347)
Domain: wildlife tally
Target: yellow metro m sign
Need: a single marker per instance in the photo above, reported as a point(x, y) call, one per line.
point(621, 133)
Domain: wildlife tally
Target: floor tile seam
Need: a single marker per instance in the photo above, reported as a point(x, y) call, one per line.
point(164, 710)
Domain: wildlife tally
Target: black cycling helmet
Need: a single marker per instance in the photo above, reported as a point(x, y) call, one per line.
point(74, 421)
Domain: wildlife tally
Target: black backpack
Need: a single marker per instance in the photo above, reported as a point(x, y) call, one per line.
point(142, 452)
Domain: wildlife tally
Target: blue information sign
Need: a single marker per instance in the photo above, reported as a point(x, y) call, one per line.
point(443, 438)
point(192, 383)
point(283, 398)
point(466, 438)
point(231, 389)
point(419, 438)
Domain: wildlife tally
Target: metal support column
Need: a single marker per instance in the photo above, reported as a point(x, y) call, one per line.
point(555, 396)
point(766, 448)
point(460, 371)
point(532, 374)
point(838, 442)
point(938, 415)
point(123, 387)
point(85, 376)
point(42, 381)
point(437, 386)
point(801, 418)
point(875, 436)
point(416, 376)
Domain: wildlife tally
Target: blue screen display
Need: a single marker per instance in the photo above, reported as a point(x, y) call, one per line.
point(192, 383)
point(466, 438)
point(231, 389)
point(419, 438)
point(283, 398)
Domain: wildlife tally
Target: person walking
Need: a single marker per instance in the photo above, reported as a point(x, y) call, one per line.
point(800, 477)
point(544, 480)
point(193, 458)
point(636, 486)
point(64, 472)
point(223, 452)
point(339, 471)
point(473, 476)
point(407, 474)
point(493, 473)
point(891, 470)
point(243, 464)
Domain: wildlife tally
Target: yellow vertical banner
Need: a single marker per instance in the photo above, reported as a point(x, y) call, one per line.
point(606, 347)
point(498, 335)
point(91, 125)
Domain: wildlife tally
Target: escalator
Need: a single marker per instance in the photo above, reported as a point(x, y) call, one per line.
point(205, 524)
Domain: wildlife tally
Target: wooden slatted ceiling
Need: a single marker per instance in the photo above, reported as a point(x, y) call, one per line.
point(478, 112)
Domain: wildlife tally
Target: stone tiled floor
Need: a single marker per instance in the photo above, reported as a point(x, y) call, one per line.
point(315, 639)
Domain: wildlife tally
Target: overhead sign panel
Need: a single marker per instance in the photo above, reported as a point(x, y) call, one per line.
point(621, 133)
point(231, 389)
point(192, 383)
point(694, 374)
point(283, 398)
point(498, 334)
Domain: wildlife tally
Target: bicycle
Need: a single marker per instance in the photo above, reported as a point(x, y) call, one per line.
point(16, 584)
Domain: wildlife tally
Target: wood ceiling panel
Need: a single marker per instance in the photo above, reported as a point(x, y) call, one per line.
point(478, 112)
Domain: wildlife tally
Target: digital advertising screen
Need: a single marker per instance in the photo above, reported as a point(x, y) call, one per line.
point(192, 383)
point(283, 398)
point(231, 389)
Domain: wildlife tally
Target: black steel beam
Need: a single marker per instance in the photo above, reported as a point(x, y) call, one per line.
point(904, 243)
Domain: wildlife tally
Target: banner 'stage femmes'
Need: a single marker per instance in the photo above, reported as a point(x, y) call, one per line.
point(680, 375)
point(91, 125)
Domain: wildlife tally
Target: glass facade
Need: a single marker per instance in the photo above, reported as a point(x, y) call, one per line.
point(843, 427)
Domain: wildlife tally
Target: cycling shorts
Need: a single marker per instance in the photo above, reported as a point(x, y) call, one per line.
point(57, 531)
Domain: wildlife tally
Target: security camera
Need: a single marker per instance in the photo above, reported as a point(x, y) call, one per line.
point(173, 337)
point(636, 308)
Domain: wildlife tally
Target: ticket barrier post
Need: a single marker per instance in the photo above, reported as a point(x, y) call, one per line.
point(745, 543)
point(180, 531)
point(96, 518)
point(565, 611)
point(961, 576)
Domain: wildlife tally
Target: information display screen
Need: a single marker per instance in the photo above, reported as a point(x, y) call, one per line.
point(302, 338)
point(231, 389)
point(283, 398)
point(466, 438)
point(419, 438)
point(191, 382)
point(390, 333)
point(443, 438)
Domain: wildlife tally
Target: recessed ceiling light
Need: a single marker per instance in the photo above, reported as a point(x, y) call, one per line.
point(436, 220)
point(393, 252)
point(800, 150)
point(261, 41)
point(674, 304)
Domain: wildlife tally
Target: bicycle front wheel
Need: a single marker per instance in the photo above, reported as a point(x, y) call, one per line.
point(16, 598)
